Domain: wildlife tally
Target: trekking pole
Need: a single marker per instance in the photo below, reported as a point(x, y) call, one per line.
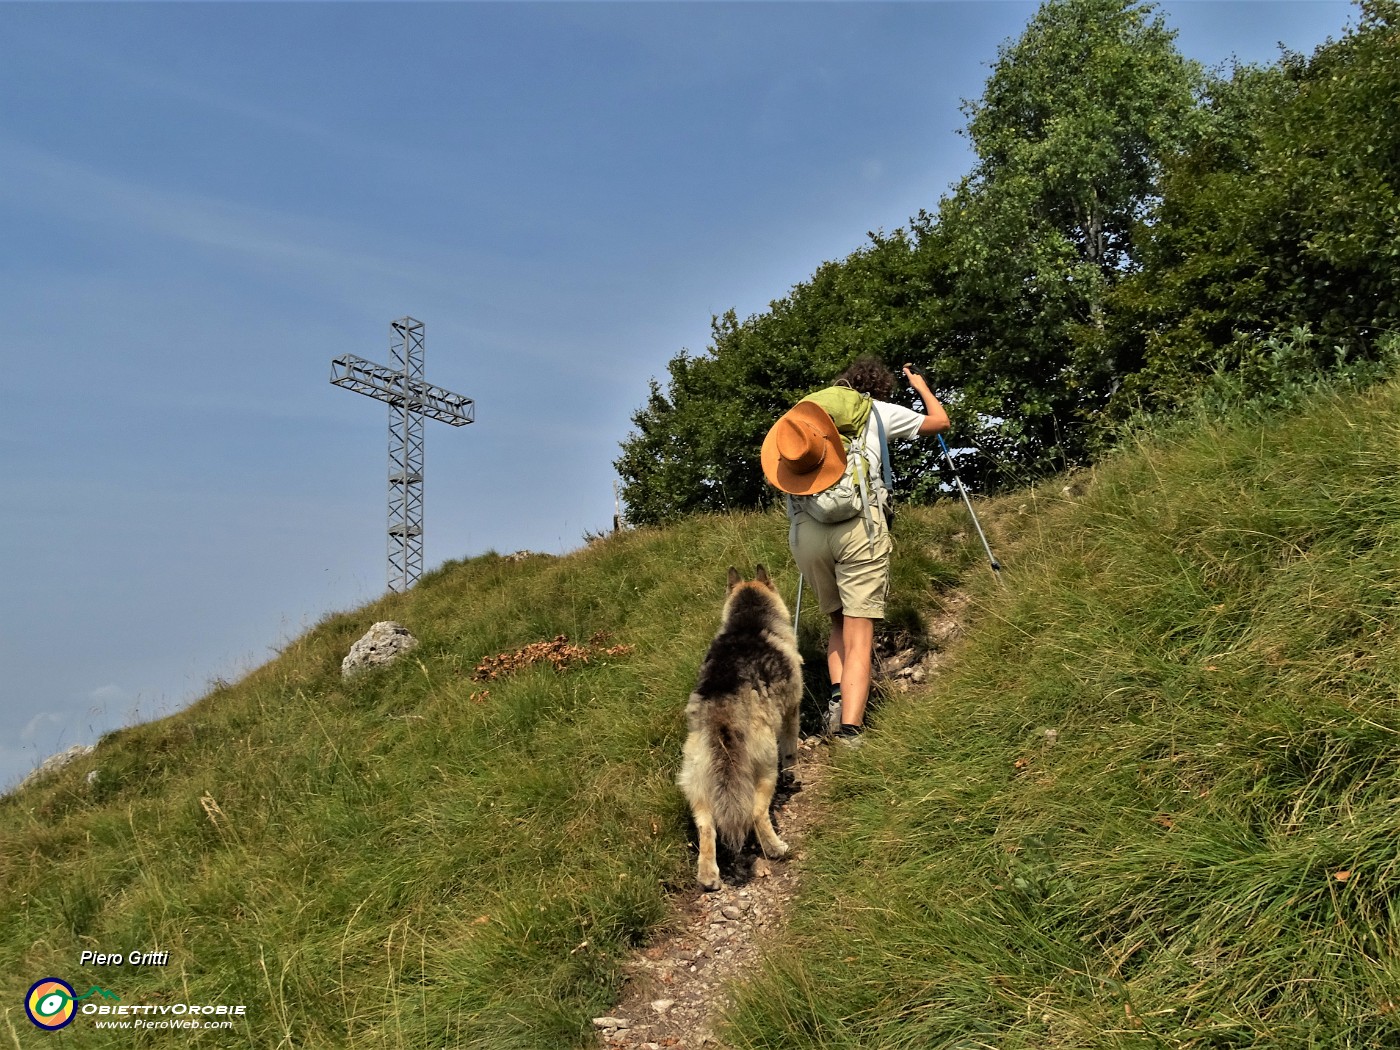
point(953, 467)
point(798, 613)
point(948, 456)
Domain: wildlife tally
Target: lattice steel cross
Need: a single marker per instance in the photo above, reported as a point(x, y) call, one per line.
point(409, 399)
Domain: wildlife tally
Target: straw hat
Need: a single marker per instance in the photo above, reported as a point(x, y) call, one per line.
point(802, 452)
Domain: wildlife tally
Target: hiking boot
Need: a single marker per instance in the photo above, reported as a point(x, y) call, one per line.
point(850, 736)
point(833, 717)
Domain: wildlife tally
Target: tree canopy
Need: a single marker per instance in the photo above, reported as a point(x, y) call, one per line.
point(1132, 227)
point(1071, 135)
point(1280, 220)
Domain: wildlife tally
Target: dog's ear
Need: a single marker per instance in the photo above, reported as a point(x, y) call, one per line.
point(761, 575)
point(734, 579)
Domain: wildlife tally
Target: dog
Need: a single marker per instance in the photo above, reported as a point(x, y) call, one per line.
point(742, 723)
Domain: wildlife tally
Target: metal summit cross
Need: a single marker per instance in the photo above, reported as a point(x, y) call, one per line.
point(409, 399)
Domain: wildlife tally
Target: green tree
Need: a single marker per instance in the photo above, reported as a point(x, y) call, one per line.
point(1070, 134)
point(1281, 219)
point(695, 444)
point(1001, 297)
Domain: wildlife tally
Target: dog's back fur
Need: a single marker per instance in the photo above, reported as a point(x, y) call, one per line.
point(742, 722)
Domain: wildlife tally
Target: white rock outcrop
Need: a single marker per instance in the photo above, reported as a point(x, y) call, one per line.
point(54, 763)
point(381, 644)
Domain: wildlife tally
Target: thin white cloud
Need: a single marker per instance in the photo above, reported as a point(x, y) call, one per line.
point(264, 238)
point(110, 694)
point(201, 97)
point(44, 723)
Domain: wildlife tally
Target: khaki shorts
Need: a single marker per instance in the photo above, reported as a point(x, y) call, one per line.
point(849, 572)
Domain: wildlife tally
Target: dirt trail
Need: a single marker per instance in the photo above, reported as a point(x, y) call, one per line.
point(677, 989)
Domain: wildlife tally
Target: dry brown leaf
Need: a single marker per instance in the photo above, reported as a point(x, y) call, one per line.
point(559, 652)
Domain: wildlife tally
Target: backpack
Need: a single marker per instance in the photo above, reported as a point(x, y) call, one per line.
point(855, 492)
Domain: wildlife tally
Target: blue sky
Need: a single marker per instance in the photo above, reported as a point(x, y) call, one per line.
point(201, 204)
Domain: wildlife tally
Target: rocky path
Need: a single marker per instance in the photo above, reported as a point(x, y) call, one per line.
point(677, 989)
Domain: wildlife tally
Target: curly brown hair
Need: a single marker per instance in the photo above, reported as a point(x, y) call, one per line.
point(869, 375)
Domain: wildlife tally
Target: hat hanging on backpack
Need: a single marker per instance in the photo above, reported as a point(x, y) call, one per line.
point(803, 452)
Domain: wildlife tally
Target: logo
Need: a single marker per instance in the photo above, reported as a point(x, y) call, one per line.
point(50, 1004)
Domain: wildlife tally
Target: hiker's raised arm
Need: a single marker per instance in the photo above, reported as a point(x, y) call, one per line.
point(935, 418)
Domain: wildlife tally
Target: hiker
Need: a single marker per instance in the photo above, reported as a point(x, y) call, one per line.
point(846, 562)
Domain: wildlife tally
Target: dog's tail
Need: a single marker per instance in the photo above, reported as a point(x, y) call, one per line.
point(733, 786)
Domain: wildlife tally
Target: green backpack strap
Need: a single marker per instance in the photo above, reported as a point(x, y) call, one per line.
point(848, 409)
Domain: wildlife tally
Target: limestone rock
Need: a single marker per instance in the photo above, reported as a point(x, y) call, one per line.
point(382, 643)
point(54, 763)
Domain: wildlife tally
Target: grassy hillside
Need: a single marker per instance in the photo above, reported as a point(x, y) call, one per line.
point(1156, 801)
point(1153, 801)
point(414, 857)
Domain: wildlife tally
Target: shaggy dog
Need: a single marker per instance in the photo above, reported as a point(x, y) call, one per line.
point(741, 720)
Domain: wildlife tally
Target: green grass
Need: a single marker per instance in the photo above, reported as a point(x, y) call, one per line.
point(1207, 854)
point(1204, 852)
point(412, 857)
